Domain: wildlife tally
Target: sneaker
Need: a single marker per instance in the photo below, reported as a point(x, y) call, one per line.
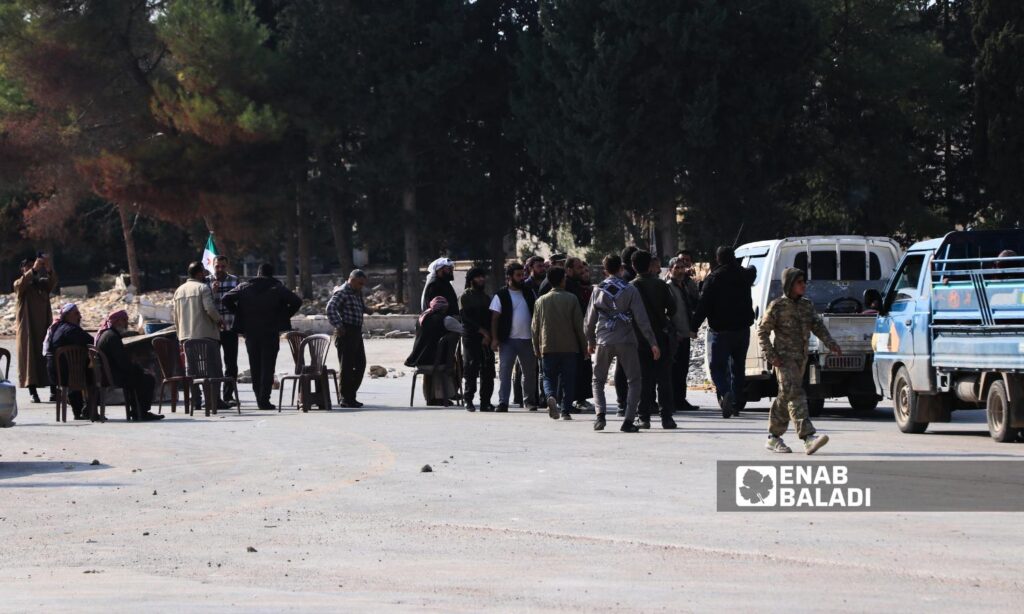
point(627, 427)
point(566, 416)
point(775, 444)
point(643, 423)
point(502, 408)
point(813, 443)
point(269, 406)
point(599, 424)
point(552, 408)
point(668, 423)
point(470, 406)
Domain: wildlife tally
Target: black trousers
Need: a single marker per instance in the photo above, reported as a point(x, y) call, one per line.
point(657, 380)
point(584, 379)
point(229, 344)
point(621, 386)
point(141, 386)
point(352, 356)
point(478, 364)
point(262, 349)
point(680, 369)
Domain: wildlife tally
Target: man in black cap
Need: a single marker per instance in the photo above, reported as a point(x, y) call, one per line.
point(477, 355)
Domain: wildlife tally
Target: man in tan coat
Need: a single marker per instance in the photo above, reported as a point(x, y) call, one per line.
point(32, 295)
point(196, 315)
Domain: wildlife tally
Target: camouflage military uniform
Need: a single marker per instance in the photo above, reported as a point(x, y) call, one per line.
point(792, 321)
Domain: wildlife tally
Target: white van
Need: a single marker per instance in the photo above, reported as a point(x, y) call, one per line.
point(840, 270)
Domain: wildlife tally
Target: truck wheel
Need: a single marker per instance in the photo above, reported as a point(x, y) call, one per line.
point(997, 407)
point(904, 404)
point(814, 407)
point(863, 402)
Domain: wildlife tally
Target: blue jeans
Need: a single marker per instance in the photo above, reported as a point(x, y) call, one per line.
point(560, 366)
point(508, 351)
point(727, 358)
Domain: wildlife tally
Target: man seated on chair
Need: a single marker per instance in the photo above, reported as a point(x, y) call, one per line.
point(137, 384)
point(437, 332)
point(263, 309)
point(66, 331)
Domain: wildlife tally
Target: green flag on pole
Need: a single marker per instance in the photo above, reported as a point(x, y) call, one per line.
point(209, 254)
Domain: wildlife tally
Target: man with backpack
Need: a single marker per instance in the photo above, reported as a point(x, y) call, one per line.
point(614, 306)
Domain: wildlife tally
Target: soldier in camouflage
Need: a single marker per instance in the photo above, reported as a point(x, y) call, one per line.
point(792, 318)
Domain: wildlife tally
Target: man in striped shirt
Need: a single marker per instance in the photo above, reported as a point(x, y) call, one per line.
point(345, 310)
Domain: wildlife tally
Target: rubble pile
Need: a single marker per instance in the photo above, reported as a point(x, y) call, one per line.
point(94, 309)
point(378, 299)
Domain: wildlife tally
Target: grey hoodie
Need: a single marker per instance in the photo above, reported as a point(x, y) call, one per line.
point(614, 305)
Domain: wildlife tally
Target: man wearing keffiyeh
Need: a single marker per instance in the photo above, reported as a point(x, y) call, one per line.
point(136, 383)
point(66, 331)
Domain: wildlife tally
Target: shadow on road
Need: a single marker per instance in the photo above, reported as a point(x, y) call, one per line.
point(21, 469)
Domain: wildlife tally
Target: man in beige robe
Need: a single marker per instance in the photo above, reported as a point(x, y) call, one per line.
point(32, 291)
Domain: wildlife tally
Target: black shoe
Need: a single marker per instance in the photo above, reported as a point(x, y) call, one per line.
point(53, 399)
point(668, 423)
point(98, 418)
point(599, 424)
point(566, 416)
point(149, 417)
point(488, 407)
point(351, 403)
point(502, 408)
point(267, 405)
point(628, 428)
point(687, 406)
point(553, 408)
point(621, 413)
point(643, 423)
point(35, 399)
point(470, 406)
point(727, 405)
point(222, 404)
point(531, 408)
point(81, 417)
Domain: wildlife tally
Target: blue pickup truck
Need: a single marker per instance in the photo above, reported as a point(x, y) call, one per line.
point(950, 332)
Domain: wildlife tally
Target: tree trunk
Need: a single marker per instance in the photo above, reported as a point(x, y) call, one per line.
point(413, 283)
point(305, 251)
point(668, 231)
point(341, 226)
point(129, 248)
point(289, 247)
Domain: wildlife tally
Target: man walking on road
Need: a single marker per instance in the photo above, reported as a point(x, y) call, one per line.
point(477, 356)
point(656, 374)
point(345, 310)
point(559, 342)
point(614, 306)
point(261, 310)
point(792, 318)
point(511, 315)
point(725, 302)
point(221, 283)
point(684, 292)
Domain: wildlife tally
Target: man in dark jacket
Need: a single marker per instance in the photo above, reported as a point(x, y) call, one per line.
point(656, 374)
point(66, 331)
point(726, 304)
point(477, 356)
point(511, 316)
point(129, 376)
point(263, 309)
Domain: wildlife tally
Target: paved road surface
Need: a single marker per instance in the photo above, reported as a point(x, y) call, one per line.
point(520, 513)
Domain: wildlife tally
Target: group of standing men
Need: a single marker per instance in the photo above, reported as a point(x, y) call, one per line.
point(548, 317)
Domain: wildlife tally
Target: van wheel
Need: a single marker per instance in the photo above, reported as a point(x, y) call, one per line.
point(904, 404)
point(863, 402)
point(814, 407)
point(997, 407)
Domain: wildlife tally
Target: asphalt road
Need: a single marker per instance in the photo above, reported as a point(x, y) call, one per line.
point(325, 512)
